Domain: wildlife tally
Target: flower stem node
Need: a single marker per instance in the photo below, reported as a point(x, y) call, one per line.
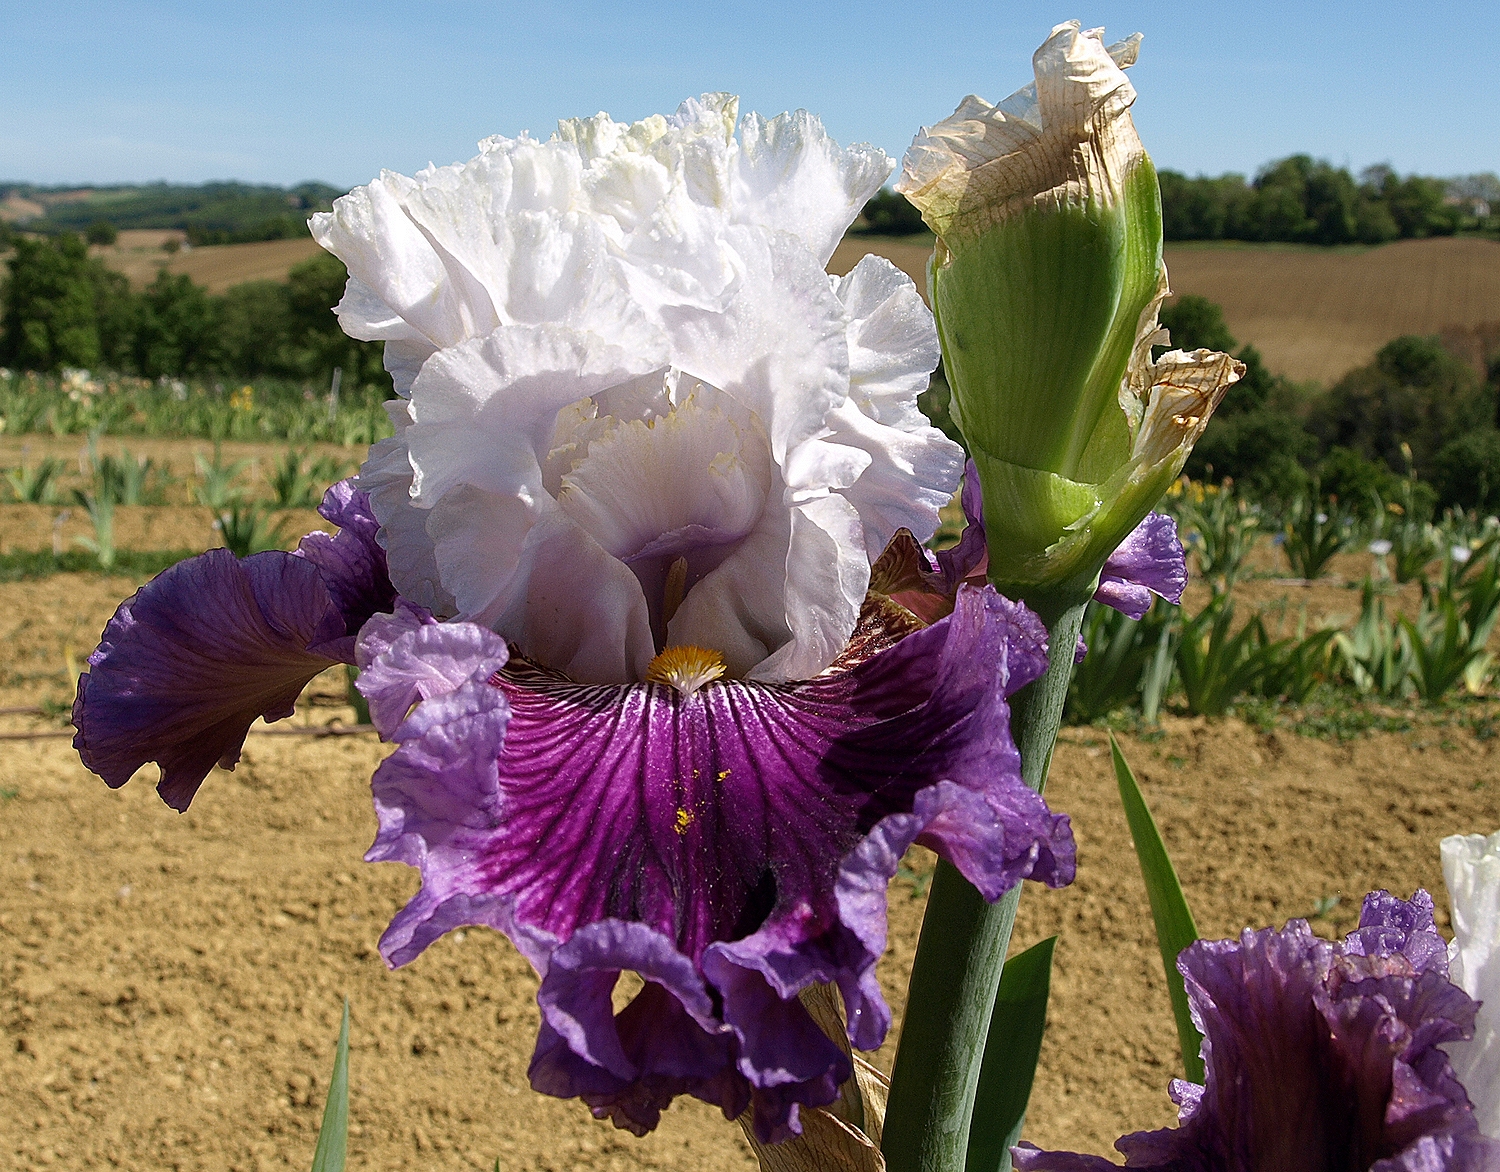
point(1046, 282)
point(685, 668)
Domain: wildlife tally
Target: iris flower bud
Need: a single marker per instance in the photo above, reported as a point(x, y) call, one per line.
point(1046, 282)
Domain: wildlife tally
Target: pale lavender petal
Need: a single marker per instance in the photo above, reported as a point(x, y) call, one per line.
point(1388, 924)
point(189, 662)
point(352, 563)
point(1149, 561)
point(428, 660)
point(748, 824)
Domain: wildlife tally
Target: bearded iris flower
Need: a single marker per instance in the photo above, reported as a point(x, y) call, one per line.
point(609, 589)
point(1318, 1056)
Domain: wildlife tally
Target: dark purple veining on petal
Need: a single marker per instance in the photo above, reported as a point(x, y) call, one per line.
point(189, 662)
point(352, 563)
point(1318, 1056)
point(750, 827)
point(1149, 561)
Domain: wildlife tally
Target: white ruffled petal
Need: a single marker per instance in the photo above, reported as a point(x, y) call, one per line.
point(827, 575)
point(638, 413)
point(910, 473)
point(1471, 869)
point(580, 610)
point(386, 475)
point(793, 178)
point(484, 412)
point(893, 342)
point(779, 348)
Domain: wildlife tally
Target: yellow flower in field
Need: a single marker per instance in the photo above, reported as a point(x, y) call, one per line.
point(242, 399)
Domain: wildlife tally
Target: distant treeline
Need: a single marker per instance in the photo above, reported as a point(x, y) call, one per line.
point(1299, 200)
point(210, 213)
point(60, 307)
point(1416, 409)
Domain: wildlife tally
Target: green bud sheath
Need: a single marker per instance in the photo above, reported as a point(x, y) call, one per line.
point(1045, 282)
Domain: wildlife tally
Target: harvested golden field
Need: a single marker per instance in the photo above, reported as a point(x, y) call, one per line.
point(1313, 313)
point(139, 255)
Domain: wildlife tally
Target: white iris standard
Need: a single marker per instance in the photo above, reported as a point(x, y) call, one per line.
point(636, 413)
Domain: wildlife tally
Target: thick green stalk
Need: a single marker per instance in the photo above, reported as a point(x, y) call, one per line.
point(961, 951)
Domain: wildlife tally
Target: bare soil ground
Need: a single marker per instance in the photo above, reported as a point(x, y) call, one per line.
point(170, 985)
point(1313, 313)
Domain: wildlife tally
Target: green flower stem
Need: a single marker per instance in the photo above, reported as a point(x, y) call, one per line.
point(962, 949)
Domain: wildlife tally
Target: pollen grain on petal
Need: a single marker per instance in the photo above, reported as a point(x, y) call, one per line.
point(685, 668)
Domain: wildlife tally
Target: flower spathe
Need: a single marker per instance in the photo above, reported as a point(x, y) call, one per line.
point(1046, 283)
point(1318, 1056)
point(608, 593)
point(1471, 870)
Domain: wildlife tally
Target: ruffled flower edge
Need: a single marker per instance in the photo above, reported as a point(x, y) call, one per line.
point(728, 1029)
point(1364, 1020)
point(190, 661)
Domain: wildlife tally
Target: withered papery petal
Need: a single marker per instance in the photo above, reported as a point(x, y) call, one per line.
point(1066, 138)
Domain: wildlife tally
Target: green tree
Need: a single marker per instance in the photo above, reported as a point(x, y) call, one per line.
point(175, 328)
point(62, 308)
point(314, 287)
point(101, 232)
point(1415, 392)
point(253, 330)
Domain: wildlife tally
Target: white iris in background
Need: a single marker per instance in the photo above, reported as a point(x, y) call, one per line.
point(636, 412)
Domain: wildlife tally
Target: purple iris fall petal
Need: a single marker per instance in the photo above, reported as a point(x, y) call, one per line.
point(732, 844)
point(351, 562)
point(1318, 1056)
point(189, 662)
point(1149, 561)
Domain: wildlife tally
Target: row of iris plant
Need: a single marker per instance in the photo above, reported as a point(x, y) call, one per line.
point(639, 592)
point(78, 402)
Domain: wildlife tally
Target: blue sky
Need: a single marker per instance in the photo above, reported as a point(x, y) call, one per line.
point(280, 92)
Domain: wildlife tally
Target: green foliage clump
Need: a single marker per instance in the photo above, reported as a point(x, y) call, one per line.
point(889, 213)
point(64, 309)
point(1415, 393)
point(101, 232)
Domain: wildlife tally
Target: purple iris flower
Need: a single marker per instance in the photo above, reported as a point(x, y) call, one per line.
point(1318, 1056)
point(609, 587)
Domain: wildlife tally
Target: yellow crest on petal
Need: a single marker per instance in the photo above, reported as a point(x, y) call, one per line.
point(685, 668)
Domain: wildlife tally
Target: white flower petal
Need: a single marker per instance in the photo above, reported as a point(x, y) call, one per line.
point(484, 412)
point(779, 348)
point(893, 343)
point(632, 415)
point(792, 177)
point(579, 609)
point(386, 476)
point(1471, 869)
point(827, 574)
point(910, 474)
